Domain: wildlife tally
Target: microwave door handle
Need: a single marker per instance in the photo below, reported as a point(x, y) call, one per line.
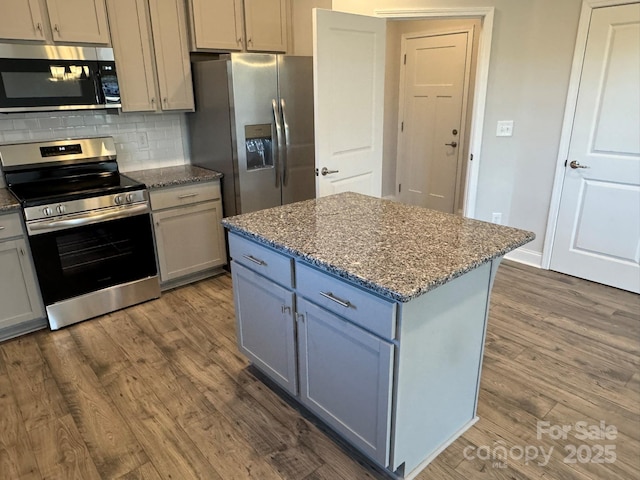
point(100, 98)
point(278, 149)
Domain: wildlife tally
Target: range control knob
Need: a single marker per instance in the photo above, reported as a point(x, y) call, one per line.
point(129, 197)
point(118, 199)
point(61, 209)
point(47, 212)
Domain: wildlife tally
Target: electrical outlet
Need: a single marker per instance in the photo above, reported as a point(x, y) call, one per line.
point(496, 217)
point(505, 128)
point(143, 140)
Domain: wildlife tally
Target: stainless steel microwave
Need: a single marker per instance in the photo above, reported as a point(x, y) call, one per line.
point(45, 78)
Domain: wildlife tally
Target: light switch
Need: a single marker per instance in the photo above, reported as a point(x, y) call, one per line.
point(505, 128)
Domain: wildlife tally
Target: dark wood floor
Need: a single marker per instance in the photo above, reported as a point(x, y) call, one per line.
point(159, 391)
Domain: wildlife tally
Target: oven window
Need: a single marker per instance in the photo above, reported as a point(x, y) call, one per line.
point(81, 260)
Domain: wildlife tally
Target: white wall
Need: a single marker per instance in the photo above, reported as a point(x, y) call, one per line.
point(531, 55)
point(142, 141)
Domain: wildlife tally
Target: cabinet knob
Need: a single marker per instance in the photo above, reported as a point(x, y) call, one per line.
point(240, 41)
point(56, 28)
point(39, 27)
point(250, 41)
point(22, 251)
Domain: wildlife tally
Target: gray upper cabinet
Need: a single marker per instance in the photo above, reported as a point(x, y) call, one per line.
point(58, 21)
point(20, 302)
point(238, 25)
point(152, 57)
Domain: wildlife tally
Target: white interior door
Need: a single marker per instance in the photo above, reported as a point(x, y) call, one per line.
point(598, 230)
point(433, 101)
point(348, 57)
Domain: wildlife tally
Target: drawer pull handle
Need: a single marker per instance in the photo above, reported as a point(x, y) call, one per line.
point(330, 296)
point(257, 261)
point(187, 195)
point(2, 228)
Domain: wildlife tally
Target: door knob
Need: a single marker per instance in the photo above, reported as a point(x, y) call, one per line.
point(453, 144)
point(575, 164)
point(326, 171)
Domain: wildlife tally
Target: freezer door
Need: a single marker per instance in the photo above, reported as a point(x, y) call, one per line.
point(254, 84)
point(295, 77)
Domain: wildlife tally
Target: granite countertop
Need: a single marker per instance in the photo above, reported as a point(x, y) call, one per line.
point(169, 176)
point(7, 201)
point(396, 250)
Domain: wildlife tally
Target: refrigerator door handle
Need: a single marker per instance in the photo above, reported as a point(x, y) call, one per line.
point(276, 117)
point(287, 143)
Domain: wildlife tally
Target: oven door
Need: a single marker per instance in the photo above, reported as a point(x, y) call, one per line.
point(45, 84)
point(83, 259)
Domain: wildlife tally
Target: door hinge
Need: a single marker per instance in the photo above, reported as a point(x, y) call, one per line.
point(405, 58)
point(402, 127)
point(399, 188)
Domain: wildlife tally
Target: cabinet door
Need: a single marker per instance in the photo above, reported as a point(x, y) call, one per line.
point(133, 50)
point(346, 378)
point(189, 239)
point(78, 21)
point(21, 20)
point(266, 24)
point(19, 297)
point(266, 328)
point(172, 54)
point(216, 24)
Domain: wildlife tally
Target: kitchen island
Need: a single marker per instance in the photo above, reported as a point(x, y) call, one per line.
point(372, 314)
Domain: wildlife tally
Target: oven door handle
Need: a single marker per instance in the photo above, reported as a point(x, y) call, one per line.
point(35, 228)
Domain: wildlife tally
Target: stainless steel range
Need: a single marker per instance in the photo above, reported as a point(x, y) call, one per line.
point(89, 227)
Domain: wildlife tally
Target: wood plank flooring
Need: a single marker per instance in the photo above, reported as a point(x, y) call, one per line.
point(159, 391)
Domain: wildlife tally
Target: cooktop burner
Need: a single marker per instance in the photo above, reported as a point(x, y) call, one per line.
point(61, 171)
point(65, 190)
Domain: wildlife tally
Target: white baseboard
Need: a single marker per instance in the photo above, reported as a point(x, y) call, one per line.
point(528, 257)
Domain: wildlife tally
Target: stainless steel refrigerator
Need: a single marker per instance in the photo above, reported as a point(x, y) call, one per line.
point(254, 123)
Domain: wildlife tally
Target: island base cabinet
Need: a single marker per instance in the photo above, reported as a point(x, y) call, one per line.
point(265, 325)
point(346, 378)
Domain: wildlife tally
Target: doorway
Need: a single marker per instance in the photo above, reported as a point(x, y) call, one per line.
point(437, 65)
point(438, 20)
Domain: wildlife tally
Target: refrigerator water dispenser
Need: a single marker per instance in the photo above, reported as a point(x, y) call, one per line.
point(259, 146)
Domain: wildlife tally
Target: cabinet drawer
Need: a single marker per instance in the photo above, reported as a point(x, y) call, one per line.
point(261, 259)
point(10, 226)
point(184, 195)
point(355, 304)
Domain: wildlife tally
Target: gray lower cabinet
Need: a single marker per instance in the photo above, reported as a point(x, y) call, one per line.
point(189, 237)
point(21, 307)
point(346, 378)
point(266, 331)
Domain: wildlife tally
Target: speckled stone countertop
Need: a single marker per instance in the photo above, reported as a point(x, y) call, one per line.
point(7, 201)
point(396, 250)
point(169, 176)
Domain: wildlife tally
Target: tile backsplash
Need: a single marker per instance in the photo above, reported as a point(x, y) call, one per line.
point(142, 140)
